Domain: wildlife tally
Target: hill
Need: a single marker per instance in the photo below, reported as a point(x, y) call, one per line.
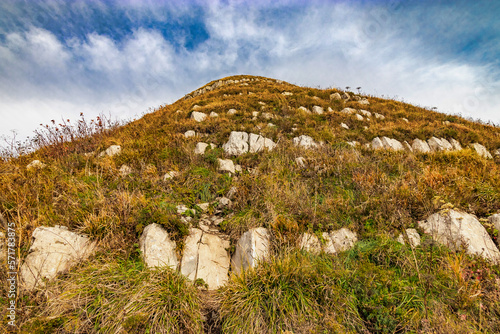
point(269, 208)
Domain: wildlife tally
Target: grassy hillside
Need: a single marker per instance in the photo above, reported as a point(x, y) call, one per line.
point(380, 286)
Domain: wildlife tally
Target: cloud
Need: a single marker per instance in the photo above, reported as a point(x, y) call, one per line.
point(142, 62)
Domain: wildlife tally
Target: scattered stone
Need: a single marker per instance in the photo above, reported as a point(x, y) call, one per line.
point(181, 209)
point(407, 146)
point(225, 202)
point(255, 114)
point(238, 168)
point(233, 191)
point(206, 257)
point(267, 115)
point(304, 109)
point(125, 170)
point(420, 146)
point(455, 144)
point(189, 133)
point(54, 250)
point(455, 229)
point(111, 151)
point(310, 243)
point(482, 151)
point(301, 162)
point(200, 148)
point(379, 116)
point(196, 108)
point(178, 111)
point(335, 96)
point(232, 111)
point(36, 164)
point(170, 175)
point(413, 237)
point(330, 109)
point(446, 123)
point(364, 101)
point(346, 96)
point(262, 103)
point(214, 114)
point(344, 126)
point(287, 93)
point(252, 247)
point(305, 142)
point(237, 143)
point(157, 250)
point(226, 165)
point(365, 113)
point(405, 119)
point(353, 143)
point(392, 144)
point(204, 206)
point(359, 117)
point(318, 110)
point(343, 239)
point(258, 143)
point(198, 116)
point(377, 144)
point(335, 241)
point(348, 111)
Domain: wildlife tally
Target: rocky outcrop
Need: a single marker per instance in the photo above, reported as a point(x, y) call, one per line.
point(455, 229)
point(189, 133)
point(241, 142)
point(111, 151)
point(386, 143)
point(125, 170)
point(206, 257)
point(305, 142)
point(35, 164)
point(439, 144)
point(198, 116)
point(304, 109)
point(54, 250)
point(226, 165)
point(413, 237)
point(157, 250)
point(348, 111)
point(420, 146)
point(335, 96)
point(334, 242)
point(318, 110)
point(170, 175)
point(200, 148)
point(482, 151)
point(252, 247)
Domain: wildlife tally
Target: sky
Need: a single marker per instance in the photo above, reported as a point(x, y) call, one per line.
point(123, 58)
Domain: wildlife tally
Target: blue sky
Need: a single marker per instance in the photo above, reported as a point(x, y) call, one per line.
point(59, 58)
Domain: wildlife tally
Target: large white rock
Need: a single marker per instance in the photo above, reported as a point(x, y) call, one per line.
point(35, 164)
point(110, 151)
point(189, 133)
point(318, 110)
point(226, 165)
point(420, 146)
point(481, 150)
point(310, 242)
point(365, 113)
point(252, 247)
point(392, 144)
point(257, 143)
point(54, 250)
point(455, 144)
point(305, 142)
point(439, 144)
point(304, 109)
point(377, 144)
point(206, 257)
point(237, 143)
point(200, 148)
point(446, 145)
point(412, 235)
point(157, 250)
point(335, 96)
point(170, 175)
point(454, 229)
point(343, 239)
point(198, 116)
point(232, 111)
point(379, 116)
point(334, 242)
point(348, 111)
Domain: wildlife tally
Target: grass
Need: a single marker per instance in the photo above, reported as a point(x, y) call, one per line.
point(378, 287)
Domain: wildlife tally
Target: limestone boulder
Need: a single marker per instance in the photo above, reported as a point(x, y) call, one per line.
point(392, 144)
point(343, 239)
point(206, 257)
point(420, 146)
point(335, 96)
point(170, 175)
point(189, 133)
point(213, 114)
point(252, 247)
point(364, 101)
point(481, 151)
point(304, 109)
point(413, 237)
point(258, 143)
point(359, 117)
point(157, 249)
point(305, 142)
point(36, 164)
point(455, 229)
point(310, 243)
point(125, 170)
point(439, 144)
point(348, 111)
point(334, 242)
point(377, 144)
point(200, 148)
point(226, 165)
point(237, 143)
point(198, 116)
point(54, 250)
point(111, 151)
point(455, 144)
point(318, 110)
point(232, 111)
point(365, 113)
point(379, 116)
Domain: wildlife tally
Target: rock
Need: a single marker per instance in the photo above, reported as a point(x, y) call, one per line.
point(377, 144)
point(304, 109)
point(225, 202)
point(407, 146)
point(420, 146)
point(287, 93)
point(252, 247)
point(200, 148)
point(343, 239)
point(178, 111)
point(181, 209)
point(214, 114)
point(356, 98)
point(379, 116)
point(310, 243)
point(344, 126)
point(111, 151)
point(455, 228)
point(413, 237)
point(359, 117)
point(436, 144)
point(255, 113)
point(189, 133)
point(405, 119)
point(346, 96)
point(226, 165)
point(305, 142)
point(198, 116)
point(205, 257)
point(36, 164)
point(301, 162)
point(267, 115)
point(204, 206)
point(318, 110)
point(365, 113)
point(348, 111)
point(364, 101)
point(495, 220)
point(455, 144)
point(196, 108)
point(237, 143)
point(335, 96)
point(238, 168)
point(125, 170)
point(233, 191)
point(330, 109)
point(446, 123)
point(232, 111)
point(258, 143)
point(392, 144)
point(353, 143)
point(54, 250)
point(482, 151)
point(170, 175)
point(157, 250)
point(335, 241)
point(497, 153)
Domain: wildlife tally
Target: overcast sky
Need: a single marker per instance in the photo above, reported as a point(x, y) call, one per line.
point(60, 58)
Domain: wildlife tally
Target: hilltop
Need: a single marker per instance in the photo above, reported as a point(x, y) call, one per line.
point(275, 208)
